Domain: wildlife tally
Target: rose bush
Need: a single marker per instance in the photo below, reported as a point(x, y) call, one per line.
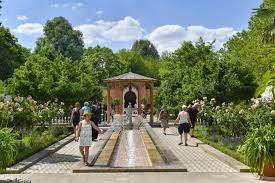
point(23, 113)
point(237, 120)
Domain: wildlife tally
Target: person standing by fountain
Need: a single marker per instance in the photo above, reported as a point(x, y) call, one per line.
point(85, 135)
point(164, 117)
point(129, 115)
point(184, 124)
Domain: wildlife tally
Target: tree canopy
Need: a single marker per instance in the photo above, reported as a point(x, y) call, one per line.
point(60, 39)
point(145, 49)
point(12, 54)
point(61, 78)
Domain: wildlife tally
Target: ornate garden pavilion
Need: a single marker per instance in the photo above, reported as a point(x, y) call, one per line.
point(130, 87)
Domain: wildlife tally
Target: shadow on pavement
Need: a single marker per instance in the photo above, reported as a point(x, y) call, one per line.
point(15, 181)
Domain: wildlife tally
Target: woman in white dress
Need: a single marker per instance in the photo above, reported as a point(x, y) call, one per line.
point(85, 134)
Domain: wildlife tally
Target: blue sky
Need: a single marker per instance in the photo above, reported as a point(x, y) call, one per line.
point(117, 23)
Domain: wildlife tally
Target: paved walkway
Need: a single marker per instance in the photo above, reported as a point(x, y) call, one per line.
point(135, 178)
point(193, 158)
point(62, 161)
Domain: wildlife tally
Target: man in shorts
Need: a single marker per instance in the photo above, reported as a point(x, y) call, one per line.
point(184, 124)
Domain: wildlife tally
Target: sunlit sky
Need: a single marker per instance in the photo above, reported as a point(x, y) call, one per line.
point(118, 23)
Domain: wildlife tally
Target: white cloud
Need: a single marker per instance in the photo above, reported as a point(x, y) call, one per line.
point(29, 28)
point(77, 5)
point(55, 5)
point(22, 17)
point(127, 29)
point(99, 12)
point(6, 19)
point(169, 37)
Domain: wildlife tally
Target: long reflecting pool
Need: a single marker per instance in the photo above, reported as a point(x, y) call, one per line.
point(130, 151)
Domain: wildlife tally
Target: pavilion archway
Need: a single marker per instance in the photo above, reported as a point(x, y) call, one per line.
point(118, 86)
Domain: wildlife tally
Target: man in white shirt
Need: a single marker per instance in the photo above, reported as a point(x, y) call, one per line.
point(184, 124)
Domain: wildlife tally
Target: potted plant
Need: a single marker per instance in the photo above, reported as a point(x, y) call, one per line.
point(259, 150)
point(116, 103)
point(8, 148)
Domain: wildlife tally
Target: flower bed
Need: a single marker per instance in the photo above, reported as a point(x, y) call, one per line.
point(24, 113)
point(245, 131)
point(19, 135)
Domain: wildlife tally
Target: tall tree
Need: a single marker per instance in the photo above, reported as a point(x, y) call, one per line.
point(145, 48)
point(101, 62)
point(60, 39)
point(12, 55)
point(265, 17)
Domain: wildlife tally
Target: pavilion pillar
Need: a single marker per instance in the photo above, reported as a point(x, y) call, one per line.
point(108, 102)
point(139, 99)
point(121, 100)
point(151, 102)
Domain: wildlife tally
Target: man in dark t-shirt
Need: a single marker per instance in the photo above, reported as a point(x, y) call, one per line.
point(193, 112)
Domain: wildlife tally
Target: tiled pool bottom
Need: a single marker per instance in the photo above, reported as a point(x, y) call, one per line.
point(130, 151)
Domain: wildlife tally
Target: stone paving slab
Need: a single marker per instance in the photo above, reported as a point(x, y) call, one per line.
point(175, 177)
point(23, 165)
point(239, 166)
point(192, 157)
point(62, 161)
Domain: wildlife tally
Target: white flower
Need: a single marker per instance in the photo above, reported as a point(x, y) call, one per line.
point(241, 111)
point(254, 106)
point(204, 98)
point(273, 112)
point(20, 109)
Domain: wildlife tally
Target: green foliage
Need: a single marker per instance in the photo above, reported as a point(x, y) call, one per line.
point(46, 80)
point(23, 114)
point(145, 48)
point(57, 131)
point(204, 136)
point(39, 139)
point(195, 71)
point(237, 120)
point(132, 61)
point(8, 147)
point(60, 38)
point(265, 21)
point(2, 87)
point(101, 63)
point(12, 55)
point(259, 148)
point(116, 102)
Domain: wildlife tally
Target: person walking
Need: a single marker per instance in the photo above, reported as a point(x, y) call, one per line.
point(184, 124)
point(164, 117)
point(85, 108)
point(193, 112)
point(75, 118)
point(85, 135)
point(95, 118)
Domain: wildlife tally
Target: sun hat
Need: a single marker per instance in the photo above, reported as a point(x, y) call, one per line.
point(87, 113)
